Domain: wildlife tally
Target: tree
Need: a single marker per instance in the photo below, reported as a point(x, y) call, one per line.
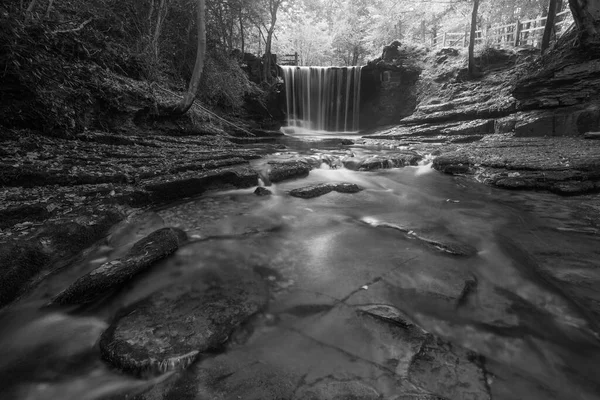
point(269, 23)
point(586, 14)
point(472, 67)
point(188, 99)
point(549, 25)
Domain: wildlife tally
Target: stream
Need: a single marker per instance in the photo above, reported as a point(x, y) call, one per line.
point(420, 286)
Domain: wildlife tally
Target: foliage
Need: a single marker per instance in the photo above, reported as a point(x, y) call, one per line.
point(224, 84)
point(343, 28)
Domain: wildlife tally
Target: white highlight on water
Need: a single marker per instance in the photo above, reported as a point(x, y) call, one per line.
point(325, 99)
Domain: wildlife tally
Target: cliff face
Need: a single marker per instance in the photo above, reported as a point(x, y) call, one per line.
point(389, 90)
point(388, 94)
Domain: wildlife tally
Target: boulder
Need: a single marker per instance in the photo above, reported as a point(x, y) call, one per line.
point(113, 274)
point(281, 171)
point(262, 191)
point(172, 327)
point(321, 189)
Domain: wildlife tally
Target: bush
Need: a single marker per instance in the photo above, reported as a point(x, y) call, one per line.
point(224, 83)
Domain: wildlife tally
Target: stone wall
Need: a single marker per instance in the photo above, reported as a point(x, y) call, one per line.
point(388, 94)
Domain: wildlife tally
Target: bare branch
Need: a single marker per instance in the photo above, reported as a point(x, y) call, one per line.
point(80, 27)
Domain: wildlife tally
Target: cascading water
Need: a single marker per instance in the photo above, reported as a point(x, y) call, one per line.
point(323, 99)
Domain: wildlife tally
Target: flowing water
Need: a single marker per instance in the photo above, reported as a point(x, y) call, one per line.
point(322, 99)
point(420, 283)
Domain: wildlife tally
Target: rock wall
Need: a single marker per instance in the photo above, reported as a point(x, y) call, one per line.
point(388, 94)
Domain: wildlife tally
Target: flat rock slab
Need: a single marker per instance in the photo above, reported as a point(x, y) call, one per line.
point(370, 163)
point(172, 327)
point(449, 371)
point(321, 189)
point(171, 187)
point(281, 171)
point(113, 274)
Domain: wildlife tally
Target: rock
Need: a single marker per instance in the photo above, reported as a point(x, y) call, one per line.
point(506, 124)
point(321, 189)
point(452, 164)
point(113, 274)
point(431, 108)
point(449, 371)
point(386, 103)
point(22, 262)
point(330, 389)
point(171, 187)
point(370, 163)
point(172, 327)
point(262, 191)
point(19, 262)
point(390, 314)
point(466, 139)
point(476, 127)
point(454, 248)
point(592, 135)
point(312, 191)
point(281, 171)
point(13, 215)
point(347, 188)
point(573, 82)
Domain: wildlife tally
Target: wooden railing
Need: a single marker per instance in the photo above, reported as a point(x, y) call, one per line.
point(520, 33)
point(288, 59)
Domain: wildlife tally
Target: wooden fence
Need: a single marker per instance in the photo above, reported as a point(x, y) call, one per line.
point(520, 33)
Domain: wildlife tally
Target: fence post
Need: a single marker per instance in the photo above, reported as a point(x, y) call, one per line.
point(518, 33)
point(296, 59)
point(444, 42)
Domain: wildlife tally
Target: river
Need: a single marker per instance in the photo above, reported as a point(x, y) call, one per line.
point(421, 284)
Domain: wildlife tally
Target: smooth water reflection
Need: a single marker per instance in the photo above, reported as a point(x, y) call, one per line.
point(526, 298)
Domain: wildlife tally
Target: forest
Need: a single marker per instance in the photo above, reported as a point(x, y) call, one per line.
point(156, 40)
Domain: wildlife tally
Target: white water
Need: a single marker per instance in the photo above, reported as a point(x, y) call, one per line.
point(322, 99)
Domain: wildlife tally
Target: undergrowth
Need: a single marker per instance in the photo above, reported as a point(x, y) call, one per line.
point(87, 61)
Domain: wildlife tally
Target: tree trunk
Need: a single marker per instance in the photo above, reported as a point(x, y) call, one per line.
point(29, 11)
point(267, 67)
point(243, 43)
point(188, 99)
point(586, 14)
point(549, 25)
point(50, 3)
point(273, 8)
point(160, 19)
point(472, 67)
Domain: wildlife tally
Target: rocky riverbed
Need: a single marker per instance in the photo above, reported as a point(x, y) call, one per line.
point(339, 282)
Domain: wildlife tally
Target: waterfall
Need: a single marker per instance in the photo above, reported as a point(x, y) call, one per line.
point(322, 98)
